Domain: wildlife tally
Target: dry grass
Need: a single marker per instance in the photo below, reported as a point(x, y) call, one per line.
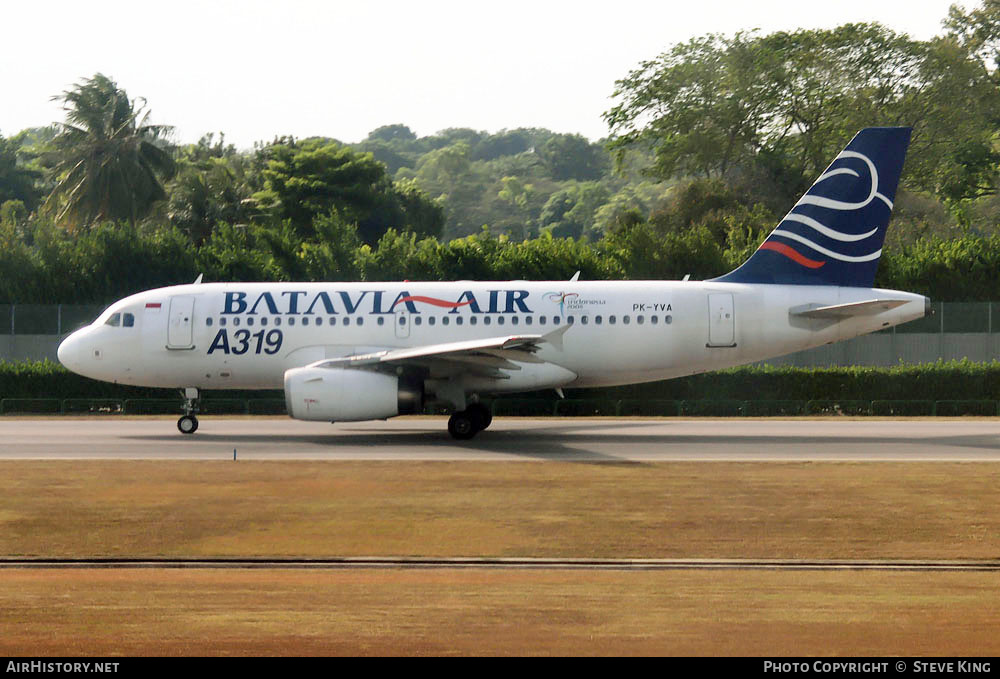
point(796, 510)
point(288, 612)
point(765, 510)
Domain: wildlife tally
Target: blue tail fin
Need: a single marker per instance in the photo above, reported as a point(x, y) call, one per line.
point(834, 234)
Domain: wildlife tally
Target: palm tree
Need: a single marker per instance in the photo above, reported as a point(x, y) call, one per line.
point(108, 159)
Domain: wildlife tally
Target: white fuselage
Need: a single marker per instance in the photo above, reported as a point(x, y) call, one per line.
point(246, 335)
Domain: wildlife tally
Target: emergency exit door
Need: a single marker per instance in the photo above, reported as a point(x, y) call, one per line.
point(180, 326)
point(721, 320)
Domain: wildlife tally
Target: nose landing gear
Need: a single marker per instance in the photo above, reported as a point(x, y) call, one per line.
point(188, 423)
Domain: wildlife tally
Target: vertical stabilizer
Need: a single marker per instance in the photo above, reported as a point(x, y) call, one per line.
point(834, 234)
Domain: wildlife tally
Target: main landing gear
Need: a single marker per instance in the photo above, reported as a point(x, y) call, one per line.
point(465, 424)
point(188, 424)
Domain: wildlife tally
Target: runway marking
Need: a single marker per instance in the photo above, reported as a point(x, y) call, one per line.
point(508, 563)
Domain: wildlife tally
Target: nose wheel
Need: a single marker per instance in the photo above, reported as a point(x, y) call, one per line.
point(188, 424)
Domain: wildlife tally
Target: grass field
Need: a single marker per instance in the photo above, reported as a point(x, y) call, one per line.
point(694, 510)
point(289, 612)
point(762, 510)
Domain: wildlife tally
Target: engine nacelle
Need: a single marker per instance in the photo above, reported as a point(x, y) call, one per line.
point(348, 395)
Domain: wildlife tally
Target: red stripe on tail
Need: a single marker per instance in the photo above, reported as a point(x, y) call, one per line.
point(793, 255)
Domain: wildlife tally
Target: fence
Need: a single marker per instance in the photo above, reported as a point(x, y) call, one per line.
point(531, 407)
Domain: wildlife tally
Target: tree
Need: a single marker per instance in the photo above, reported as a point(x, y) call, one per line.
point(390, 133)
point(783, 104)
point(571, 156)
point(18, 181)
point(109, 160)
point(310, 178)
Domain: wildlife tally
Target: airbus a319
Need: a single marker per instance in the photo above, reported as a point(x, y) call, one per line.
point(363, 351)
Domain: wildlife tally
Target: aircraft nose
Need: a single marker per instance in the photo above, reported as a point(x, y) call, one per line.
point(69, 351)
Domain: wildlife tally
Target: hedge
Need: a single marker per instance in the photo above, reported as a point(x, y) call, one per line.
point(954, 380)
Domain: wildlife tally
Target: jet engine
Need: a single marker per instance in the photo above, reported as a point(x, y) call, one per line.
point(350, 395)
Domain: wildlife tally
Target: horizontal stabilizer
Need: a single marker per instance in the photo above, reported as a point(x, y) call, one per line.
point(867, 308)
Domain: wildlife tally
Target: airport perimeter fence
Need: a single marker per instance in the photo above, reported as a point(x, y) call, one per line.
point(537, 407)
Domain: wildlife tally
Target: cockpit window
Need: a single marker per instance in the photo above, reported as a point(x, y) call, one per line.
point(115, 320)
point(128, 320)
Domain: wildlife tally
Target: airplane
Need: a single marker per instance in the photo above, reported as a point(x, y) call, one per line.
point(347, 352)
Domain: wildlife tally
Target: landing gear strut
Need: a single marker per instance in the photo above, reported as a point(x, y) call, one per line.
point(188, 424)
point(465, 424)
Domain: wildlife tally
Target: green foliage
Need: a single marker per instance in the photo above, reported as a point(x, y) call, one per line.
point(306, 179)
point(785, 103)
point(571, 156)
point(18, 179)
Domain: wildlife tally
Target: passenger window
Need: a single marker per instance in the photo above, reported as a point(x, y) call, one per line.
point(263, 320)
point(640, 319)
point(542, 320)
point(500, 320)
point(359, 321)
point(555, 320)
point(347, 321)
point(277, 321)
point(416, 321)
point(431, 321)
point(584, 319)
point(208, 321)
point(513, 320)
point(291, 321)
point(223, 321)
point(668, 319)
point(305, 321)
point(612, 320)
point(527, 320)
point(654, 319)
point(250, 320)
point(236, 321)
point(444, 320)
point(598, 320)
point(381, 320)
point(473, 320)
point(625, 319)
point(114, 321)
point(487, 320)
point(571, 320)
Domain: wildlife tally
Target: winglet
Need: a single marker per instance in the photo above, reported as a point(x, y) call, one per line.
point(575, 277)
point(197, 281)
point(555, 338)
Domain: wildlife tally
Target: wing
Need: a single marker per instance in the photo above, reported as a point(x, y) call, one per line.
point(483, 357)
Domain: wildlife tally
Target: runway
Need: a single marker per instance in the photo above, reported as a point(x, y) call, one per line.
point(508, 439)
